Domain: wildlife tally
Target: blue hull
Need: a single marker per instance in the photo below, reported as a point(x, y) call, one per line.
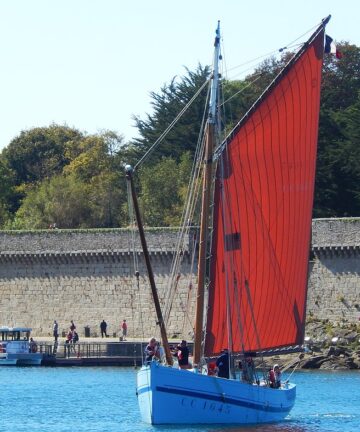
point(21, 359)
point(172, 396)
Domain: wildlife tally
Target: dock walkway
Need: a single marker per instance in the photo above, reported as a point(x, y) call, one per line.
point(92, 352)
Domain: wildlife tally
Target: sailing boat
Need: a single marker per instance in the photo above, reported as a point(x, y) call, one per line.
point(261, 226)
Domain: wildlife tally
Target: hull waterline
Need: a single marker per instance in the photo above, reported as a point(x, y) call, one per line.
point(172, 396)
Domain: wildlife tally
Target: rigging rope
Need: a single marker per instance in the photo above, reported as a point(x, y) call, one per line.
point(241, 90)
point(289, 377)
point(271, 53)
point(193, 192)
point(171, 125)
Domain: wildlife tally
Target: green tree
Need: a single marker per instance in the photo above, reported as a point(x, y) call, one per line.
point(336, 191)
point(71, 202)
point(6, 192)
point(163, 191)
point(39, 153)
point(33, 156)
point(166, 105)
point(107, 196)
point(62, 200)
point(342, 165)
point(99, 164)
point(341, 78)
point(89, 190)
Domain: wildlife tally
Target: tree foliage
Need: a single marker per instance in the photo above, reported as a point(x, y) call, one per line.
point(163, 190)
point(84, 188)
point(61, 200)
point(337, 181)
point(58, 174)
point(166, 105)
point(39, 153)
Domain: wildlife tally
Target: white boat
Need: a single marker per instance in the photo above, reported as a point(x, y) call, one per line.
point(259, 211)
point(16, 348)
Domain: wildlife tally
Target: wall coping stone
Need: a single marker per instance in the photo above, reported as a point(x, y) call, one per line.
point(336, 232)
point(330, 234)
point(98, 241)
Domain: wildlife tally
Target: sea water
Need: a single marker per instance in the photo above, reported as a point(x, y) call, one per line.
point(104, 399)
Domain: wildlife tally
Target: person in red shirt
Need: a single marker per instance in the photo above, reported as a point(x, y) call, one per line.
point(124, 329)
point(275, 377)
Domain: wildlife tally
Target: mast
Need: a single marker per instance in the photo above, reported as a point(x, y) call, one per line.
point(205, 206)
point(129, 176)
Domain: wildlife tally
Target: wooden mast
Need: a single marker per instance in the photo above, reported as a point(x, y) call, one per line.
point(129, 177)
point(205, 206)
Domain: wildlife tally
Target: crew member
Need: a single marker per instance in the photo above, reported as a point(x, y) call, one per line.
point(222, 364)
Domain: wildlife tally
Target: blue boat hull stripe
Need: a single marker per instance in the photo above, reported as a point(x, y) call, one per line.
point(219, 398)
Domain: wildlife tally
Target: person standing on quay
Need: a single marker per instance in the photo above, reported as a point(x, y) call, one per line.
point(103, 327)
point(55, 331)
point(124, 329)
point(72, 325)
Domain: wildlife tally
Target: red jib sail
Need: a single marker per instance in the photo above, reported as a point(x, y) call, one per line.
point(262, 214)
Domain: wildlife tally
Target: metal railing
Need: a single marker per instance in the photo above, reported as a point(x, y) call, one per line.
point(93, 349)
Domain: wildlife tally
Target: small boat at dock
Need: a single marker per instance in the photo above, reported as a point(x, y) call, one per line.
point(17, 348)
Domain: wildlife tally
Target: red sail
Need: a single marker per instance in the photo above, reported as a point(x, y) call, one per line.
point(262, 215)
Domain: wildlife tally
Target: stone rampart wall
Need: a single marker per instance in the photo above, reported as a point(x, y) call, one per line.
point(87, 289)
point(88, 276)
point(334, 278)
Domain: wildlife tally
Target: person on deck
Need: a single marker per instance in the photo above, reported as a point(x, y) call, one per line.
point(152, 351)
point(211, 368)
point(32, 346)
point(275, 377)
point(248, 370)
point(222, 364)
point(183, 355)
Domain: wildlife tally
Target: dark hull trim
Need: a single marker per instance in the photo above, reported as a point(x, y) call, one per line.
point(219, 398)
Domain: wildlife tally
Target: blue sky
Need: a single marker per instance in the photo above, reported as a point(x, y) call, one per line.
point(91, 64)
